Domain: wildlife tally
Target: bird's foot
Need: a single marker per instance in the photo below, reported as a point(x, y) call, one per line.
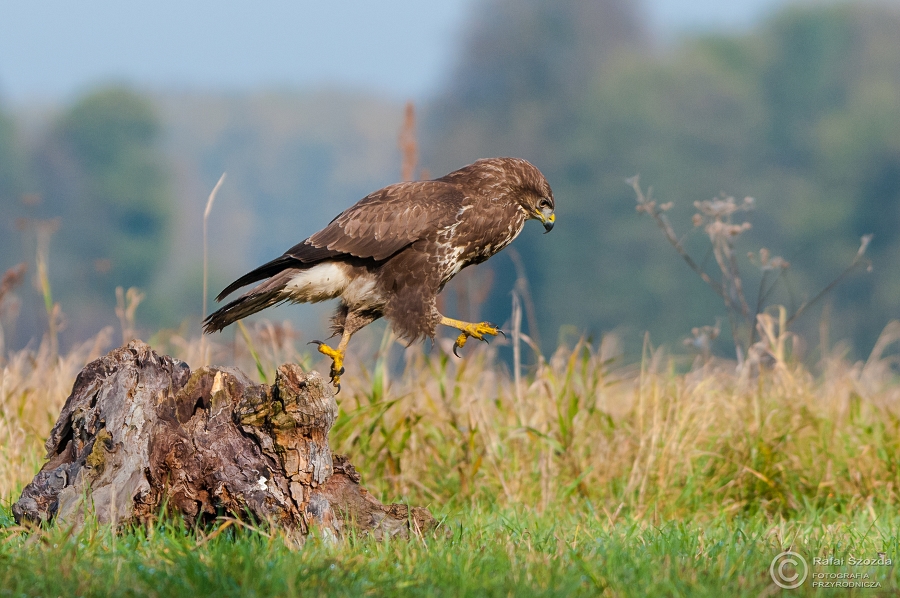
point(337, 362)
point(475, 331)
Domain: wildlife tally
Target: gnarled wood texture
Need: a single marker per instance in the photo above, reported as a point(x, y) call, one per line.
point(141, 432)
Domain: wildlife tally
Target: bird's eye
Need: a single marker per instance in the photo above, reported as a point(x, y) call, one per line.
point(544, 204)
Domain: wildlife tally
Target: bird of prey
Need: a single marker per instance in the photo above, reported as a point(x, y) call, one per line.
point(391, 253)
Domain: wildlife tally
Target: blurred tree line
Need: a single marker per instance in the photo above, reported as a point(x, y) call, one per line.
point(94, 189)
point(802, 113)
point(122, 178)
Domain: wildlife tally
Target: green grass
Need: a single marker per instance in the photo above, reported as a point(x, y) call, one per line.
point(480, 551)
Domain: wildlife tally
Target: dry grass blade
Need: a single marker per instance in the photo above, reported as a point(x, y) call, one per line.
point(639, 443)
point(11, 279)
point(126, 306)
point(206, 213)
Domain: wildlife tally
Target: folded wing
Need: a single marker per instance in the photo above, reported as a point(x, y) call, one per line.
point(376, 227)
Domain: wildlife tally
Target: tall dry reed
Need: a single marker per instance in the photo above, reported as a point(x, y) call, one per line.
point(580, 426)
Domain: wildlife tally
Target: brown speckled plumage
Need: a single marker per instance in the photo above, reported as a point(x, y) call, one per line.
point(391, 253)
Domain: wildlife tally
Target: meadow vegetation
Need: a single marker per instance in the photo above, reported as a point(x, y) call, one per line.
point(581, 471)
point(577, 473)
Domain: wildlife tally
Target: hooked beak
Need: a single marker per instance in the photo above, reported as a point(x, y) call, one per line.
point(547, 217)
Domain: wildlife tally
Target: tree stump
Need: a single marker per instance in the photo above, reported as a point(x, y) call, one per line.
point(141, 433)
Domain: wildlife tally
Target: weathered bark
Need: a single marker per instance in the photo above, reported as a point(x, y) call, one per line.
point(141, 433)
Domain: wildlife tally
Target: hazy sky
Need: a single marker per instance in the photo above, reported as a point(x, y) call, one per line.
point(54, 49)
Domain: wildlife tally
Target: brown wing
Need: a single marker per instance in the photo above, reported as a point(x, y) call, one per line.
point(383, 223)
point(376, 227)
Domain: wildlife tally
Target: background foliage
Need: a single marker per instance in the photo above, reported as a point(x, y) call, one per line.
point(800, 113)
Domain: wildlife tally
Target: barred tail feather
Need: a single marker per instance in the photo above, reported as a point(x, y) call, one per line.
point(257, 299)
point(261, 273)
point(240, 308)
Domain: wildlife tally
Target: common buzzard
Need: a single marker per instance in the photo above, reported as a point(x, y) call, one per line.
point(392, 253)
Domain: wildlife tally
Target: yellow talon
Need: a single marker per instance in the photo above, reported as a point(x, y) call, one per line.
point(460, 342)
point(337, 358)
point(474, 330)
point(479, 330)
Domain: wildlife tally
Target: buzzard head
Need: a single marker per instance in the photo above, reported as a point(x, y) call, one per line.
point(515, 180)
point(535, 195)
point(544, 211)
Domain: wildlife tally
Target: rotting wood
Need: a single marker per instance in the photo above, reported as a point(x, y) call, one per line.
point(141, 432)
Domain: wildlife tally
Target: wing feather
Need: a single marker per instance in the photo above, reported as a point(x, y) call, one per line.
point(376, 227)
point(383, 223)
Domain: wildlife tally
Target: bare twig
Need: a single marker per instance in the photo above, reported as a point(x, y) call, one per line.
point(409, 147)
point(517, 352)
point(857, 260)
point(716, 216)
point(12, 278)
point(646, 204)
point(523, 288)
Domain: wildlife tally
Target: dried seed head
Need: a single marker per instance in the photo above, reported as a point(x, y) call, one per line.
point(716, 208)
point(734, 230)
point(701, 338)
point(778, 263)
point(864, 244)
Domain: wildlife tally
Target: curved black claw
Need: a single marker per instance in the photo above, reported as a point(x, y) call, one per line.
point(315, 343)
point(455, 347)
point(501, 332)
point(486, 337)
point(337, 389)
